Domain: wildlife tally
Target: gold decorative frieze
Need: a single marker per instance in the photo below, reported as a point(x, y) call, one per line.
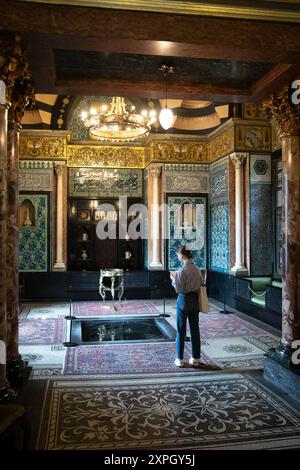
point(177, 152)
point(33, 146)
point(105, 156)
point(255, 111)
point(222, 145)
point(253, 138)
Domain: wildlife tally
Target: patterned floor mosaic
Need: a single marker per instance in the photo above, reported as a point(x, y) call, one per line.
point(218, 411)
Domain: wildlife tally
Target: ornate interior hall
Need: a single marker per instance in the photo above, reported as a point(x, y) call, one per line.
point(127, 130)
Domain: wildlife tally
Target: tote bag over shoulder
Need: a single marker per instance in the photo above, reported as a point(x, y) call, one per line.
point(203, 300)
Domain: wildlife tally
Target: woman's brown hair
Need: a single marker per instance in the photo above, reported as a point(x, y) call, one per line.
point(183, 251)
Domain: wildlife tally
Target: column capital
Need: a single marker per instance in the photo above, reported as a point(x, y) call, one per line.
point(155, 171)
point(59, 168)
point(15, 72)
point(286, 114)
point(238, 158)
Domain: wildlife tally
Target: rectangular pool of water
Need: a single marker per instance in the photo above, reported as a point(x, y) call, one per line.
point(122, 329)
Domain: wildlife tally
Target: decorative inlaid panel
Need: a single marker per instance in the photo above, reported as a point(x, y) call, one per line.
point(186, 178)
point(219, 242)
point(219, 181)
point(194, 238)
point(97, 182)
point(260, 169)
point(33, 244)
point(222, 145)
point(34, 146)
point(255, 111)
point(105, 156)
point(184, 151)
point(253, 138)
point(35, 175)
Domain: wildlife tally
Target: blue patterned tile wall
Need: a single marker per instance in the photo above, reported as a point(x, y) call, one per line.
point(260, 223)
point(260, 215)
point(219, 219)
point(194, 239)
point(33, 244)
point(219, 241)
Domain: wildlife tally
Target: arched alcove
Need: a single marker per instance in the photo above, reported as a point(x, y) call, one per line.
point(26, 214)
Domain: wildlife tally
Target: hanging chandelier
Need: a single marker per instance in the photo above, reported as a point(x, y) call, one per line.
point(113, 123)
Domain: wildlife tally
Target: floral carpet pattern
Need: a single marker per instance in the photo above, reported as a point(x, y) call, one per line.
point(214, 411)
point(41, 331)
point(134, 358)
point(125, 307)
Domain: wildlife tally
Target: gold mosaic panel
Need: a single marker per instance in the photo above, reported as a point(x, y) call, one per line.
point(187, 152)
point(255, 111)
point(42, 147)
point(222, 145)
point(253, 138)
point(100, 156)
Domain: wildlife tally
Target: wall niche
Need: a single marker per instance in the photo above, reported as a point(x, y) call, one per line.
point(26, 214)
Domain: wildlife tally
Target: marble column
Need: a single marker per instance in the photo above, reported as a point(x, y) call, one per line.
point(287, 115)
point(238, 160)
point(59, 264)
point(14, 361)
point(3, 232)
point(155, 220)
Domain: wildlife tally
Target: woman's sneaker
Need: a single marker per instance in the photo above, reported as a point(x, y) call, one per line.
point(194, 362)
point(179, 362)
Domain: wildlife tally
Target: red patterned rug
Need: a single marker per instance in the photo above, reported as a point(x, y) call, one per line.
point(220, 325)
point(126, 307)
point(41, 331)
point(135, 358)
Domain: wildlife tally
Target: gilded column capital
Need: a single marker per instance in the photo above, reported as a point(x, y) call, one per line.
point(286, 114)
point(155, 171)
point(16, 74)
point(238, 159)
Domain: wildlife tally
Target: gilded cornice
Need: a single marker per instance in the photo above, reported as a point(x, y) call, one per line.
point(259, 11)
point(105, 156)
point(180, 151)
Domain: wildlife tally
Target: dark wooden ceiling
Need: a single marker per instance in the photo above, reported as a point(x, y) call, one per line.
point(83, 50)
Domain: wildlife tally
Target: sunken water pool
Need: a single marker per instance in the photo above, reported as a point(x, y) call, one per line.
point(122, 329)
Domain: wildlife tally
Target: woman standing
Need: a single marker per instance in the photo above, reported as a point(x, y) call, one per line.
point(187, 282)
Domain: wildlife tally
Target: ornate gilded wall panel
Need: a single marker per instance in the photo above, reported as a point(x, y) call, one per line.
point(222, 145)
point(110, 156)
point(255, 111)
point(276, 142)
point(184, 151)
point(251, 137)
point(97, 182)
point(42, 147)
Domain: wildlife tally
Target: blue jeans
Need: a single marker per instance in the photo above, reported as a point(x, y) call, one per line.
point(187, 307)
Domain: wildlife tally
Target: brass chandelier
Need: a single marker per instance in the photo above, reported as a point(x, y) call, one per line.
point(115, 124)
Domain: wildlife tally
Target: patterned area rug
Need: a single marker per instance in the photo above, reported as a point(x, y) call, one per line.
point(135, 358)
point(126, 307)
point(41, 331)
point(44, 310)
point(217, 411)
point(218, 324)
